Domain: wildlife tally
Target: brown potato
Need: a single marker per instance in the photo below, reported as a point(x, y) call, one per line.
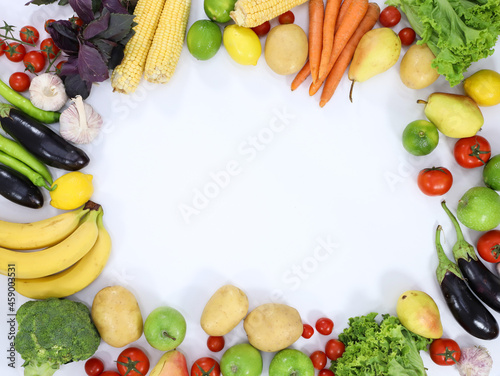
point(286, 49)
point(415, 69)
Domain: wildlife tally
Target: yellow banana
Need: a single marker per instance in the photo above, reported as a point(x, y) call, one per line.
point(53, 259)
point(73, 279)
point(41, 234)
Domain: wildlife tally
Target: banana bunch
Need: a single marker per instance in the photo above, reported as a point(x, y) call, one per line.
point(58, 256)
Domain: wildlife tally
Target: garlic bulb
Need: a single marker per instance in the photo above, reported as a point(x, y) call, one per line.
point(47, 92)
point(80, 123)
point(475, 361)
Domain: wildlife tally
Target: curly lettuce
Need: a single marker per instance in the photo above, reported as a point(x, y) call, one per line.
point(385, 348)
point(458, 32)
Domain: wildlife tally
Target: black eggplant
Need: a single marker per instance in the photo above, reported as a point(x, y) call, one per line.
point(42, 141)
point(17, 188)
point(480, 279)
point(465, 307)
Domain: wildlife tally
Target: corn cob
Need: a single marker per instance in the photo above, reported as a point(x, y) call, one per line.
point(168, 41)
point(127, 75)
point(251, 13)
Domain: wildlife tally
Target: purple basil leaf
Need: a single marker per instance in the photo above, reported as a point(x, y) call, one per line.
point(70, 67)
point(83, 9)
point(91, 65)
point(114, 6)
point(119, 27)
point(74, 86)
point(96, 6)
point(116, 56)
point(105, 47)
point(97, 26)
point(64, 36)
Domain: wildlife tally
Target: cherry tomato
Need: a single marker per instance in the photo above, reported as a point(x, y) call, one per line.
point(472, 152)
point(435, 181)
point(29, 34)
point(59, 66)
point(444, 351)
point(326, 372)
point(318, 359)
point(110, 373)
point(390, 16)
point(286, 18)
point(407, 36)
point(3, 47)
point(488, 246)
point(15, 52)
point(47, 23)
point(132, 362)
point(215, 343)
point(19, 81)
point(324, 326)
point(205, 366)
point(262, 29)
point(48, 48)
point(77, 21)
point(94, 367)
point(308, 331)
point(34, 61)
point(334, 349)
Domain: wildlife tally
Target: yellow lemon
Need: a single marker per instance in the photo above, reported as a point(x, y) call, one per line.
point(242, 44)
point(483, 87)
point(72, 190)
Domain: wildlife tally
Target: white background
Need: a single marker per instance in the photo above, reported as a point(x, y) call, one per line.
point(302, 176)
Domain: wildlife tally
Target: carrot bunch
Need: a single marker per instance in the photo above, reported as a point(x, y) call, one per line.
point(334, 33)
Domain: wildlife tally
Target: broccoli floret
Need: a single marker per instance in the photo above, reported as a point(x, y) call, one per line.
point(53, 332)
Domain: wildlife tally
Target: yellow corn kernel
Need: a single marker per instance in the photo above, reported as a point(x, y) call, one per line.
point(251, 13)
point(127, 75)
point(167, 44)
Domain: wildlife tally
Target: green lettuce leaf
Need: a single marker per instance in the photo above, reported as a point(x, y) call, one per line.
point(458, 32)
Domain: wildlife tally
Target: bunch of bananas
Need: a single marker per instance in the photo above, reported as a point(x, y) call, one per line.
point(58, 256)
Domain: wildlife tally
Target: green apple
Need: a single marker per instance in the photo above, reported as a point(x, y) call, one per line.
point(479, 209)
point(165, 328)
point(491, 173)
point(291, 362)
point(241, 360)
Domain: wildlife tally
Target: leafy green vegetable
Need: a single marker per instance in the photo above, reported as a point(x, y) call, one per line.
point(458, 32)
point(385, 348)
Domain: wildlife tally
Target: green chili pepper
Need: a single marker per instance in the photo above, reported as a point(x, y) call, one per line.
point(24, 169)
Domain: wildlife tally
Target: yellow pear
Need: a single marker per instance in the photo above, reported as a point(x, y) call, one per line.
point(418, 313)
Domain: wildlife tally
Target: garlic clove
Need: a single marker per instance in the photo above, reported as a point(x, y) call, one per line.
point(80, 123)
point(47, 92)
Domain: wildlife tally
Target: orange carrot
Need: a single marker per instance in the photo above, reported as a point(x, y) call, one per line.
point(302, 75)
point(338, 70)
point(354, 15)
point(316, 13)
point(342, 12)
point(331, 13)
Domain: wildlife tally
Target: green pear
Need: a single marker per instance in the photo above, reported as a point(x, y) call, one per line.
point(418, 313)
point(455, 115)
point(479, 209)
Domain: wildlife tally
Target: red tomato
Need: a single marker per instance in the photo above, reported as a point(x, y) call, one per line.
point(471, 152)
point(435, 181)
point(334, 349)
point(132, 362)
point(94, 367)
point(47, 23)
point(444, 351)
point(34, 61)
point(110, 373)
point(205, 366)
point(29, 34)
point(48, 48)
point(59, 66)
point(326, 372)
point(324, 326)
point(15, 52)
point(3, 47)
point(488, 246)
point(318, 359)
point(262, 29)
point(286, 18)
point(407, 36)
point(19, 81)
point(77, 21)
point(390, 16)
point(308, 331)
point(215, 343)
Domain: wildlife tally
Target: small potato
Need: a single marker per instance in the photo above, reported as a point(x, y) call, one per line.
point(224, 310)
point(117, 316)
point(286, 49)
point(273, 327)
point(415, 69)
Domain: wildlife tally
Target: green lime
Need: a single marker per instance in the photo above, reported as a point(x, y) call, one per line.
point(420, 137)
point(218, 10)
point(491, 173)
point(204, 39)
